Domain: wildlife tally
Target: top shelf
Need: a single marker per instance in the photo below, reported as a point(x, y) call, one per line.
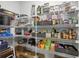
point(76, 10)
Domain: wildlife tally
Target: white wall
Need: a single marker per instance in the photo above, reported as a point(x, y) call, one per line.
point(11, 5)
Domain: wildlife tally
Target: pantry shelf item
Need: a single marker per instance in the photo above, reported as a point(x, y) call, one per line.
point(3, 45)
point(5, 32)
point(7, 52)
point(23, 52)
point(68, 49)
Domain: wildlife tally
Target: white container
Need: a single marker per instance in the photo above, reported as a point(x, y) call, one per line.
point(48, 35)
point(51, 9)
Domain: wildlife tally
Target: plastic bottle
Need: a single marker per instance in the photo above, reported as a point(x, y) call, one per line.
point(39, 10)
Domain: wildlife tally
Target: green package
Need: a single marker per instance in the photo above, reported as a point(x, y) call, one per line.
point(48, 44)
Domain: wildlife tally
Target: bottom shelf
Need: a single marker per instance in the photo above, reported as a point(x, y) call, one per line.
point(23, 52)
point(42, 52)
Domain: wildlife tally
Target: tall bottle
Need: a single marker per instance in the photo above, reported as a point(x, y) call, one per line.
point(33, 10)
point(39, 10)
point(53, 32)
